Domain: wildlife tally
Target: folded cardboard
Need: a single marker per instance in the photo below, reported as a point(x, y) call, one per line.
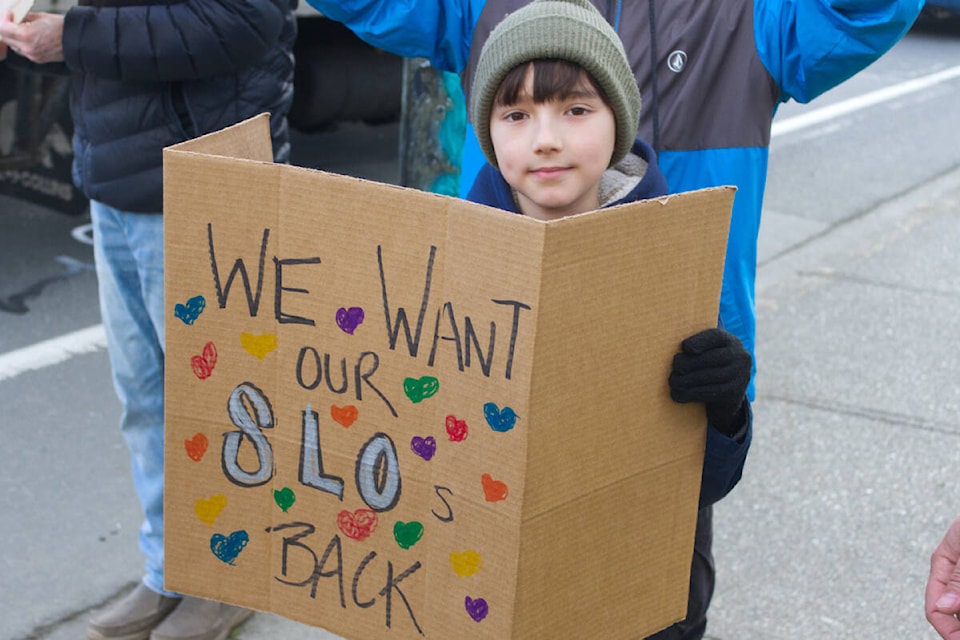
point(394, 414)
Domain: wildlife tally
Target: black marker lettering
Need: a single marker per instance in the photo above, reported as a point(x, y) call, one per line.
point(378, 473)
point(311, 458)
point(393, 585)
point(413, 342)
point(253, 300)
point(250, 426)
point(449, 516)
point(285, 318)
point(514, 329)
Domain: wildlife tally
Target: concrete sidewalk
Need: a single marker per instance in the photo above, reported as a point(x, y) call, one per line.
point(851, 480)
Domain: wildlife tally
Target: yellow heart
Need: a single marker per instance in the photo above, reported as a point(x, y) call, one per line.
point(467, 563)
point(258, 346)
point(209, 509)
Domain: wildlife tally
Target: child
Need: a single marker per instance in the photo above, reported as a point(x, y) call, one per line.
point(555, 106)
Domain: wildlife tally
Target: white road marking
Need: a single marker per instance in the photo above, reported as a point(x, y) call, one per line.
point(836, 110)
point(53, 351)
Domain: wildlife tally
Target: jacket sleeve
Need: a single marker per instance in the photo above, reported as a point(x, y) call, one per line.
point(723, 462)
point(181, 41)
point(439, 30)
point(810, 46)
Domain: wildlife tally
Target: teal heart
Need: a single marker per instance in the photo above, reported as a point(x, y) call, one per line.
point(407, 534)
point(227, 548)
point(500, 420)
point(189, 312)
point(420, 389)
point(284, 498)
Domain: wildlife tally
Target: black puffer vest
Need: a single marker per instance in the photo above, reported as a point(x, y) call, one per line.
point(150, 73)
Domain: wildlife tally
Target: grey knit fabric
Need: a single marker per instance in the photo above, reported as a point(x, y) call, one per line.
point(571, 30)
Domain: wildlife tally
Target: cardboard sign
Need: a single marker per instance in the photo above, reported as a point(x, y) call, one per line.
point(394, 414)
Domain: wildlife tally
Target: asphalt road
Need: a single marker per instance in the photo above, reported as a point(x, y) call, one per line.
point(851, 480)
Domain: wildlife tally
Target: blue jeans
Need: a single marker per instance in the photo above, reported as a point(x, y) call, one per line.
point(128, 251)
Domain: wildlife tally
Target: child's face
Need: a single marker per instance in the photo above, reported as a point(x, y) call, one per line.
point(554, 153)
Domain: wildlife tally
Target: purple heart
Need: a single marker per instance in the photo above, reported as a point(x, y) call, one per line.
point(477, 609)
point(349, 319)
point(424, 447)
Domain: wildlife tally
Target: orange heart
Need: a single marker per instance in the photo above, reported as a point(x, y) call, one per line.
point(344, 415)
point(493, 490)
point(196, 447)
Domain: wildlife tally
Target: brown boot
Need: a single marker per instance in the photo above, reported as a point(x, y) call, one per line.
point(199, 619)
point(133, 617)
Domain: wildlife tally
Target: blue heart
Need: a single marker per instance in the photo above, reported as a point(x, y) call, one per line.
point(228, 548)
point(191, 311)
point(500, 420)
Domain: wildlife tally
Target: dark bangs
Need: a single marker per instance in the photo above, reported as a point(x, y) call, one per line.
point(552, 80)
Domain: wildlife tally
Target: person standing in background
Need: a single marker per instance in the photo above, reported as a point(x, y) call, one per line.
point(712, 73)
point(146, 74)
point(556, 107)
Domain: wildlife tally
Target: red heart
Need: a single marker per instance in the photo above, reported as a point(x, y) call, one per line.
point(357, 525)
point(346, 416)
point(456, 429)
point(493, 490)
point(196, 447)
point(203, 364)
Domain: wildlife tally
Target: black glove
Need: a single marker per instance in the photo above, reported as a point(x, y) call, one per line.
point(713, 368)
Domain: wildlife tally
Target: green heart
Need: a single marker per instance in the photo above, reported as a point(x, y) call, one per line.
point(284, 498)
point(407, 533)
point(421, 389)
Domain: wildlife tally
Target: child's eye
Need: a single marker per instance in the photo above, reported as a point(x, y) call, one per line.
point(514, 116)
point(578, 111)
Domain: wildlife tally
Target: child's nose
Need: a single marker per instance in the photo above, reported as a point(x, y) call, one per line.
point(548, 136)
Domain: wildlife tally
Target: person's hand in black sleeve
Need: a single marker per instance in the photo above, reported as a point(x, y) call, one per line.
point(713, 367)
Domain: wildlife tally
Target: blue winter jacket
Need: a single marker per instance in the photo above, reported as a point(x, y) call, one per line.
point(146, 74)
point(724, 456)
point(711, 73)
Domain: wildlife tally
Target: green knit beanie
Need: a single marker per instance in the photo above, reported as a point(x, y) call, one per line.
point(571, 30)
